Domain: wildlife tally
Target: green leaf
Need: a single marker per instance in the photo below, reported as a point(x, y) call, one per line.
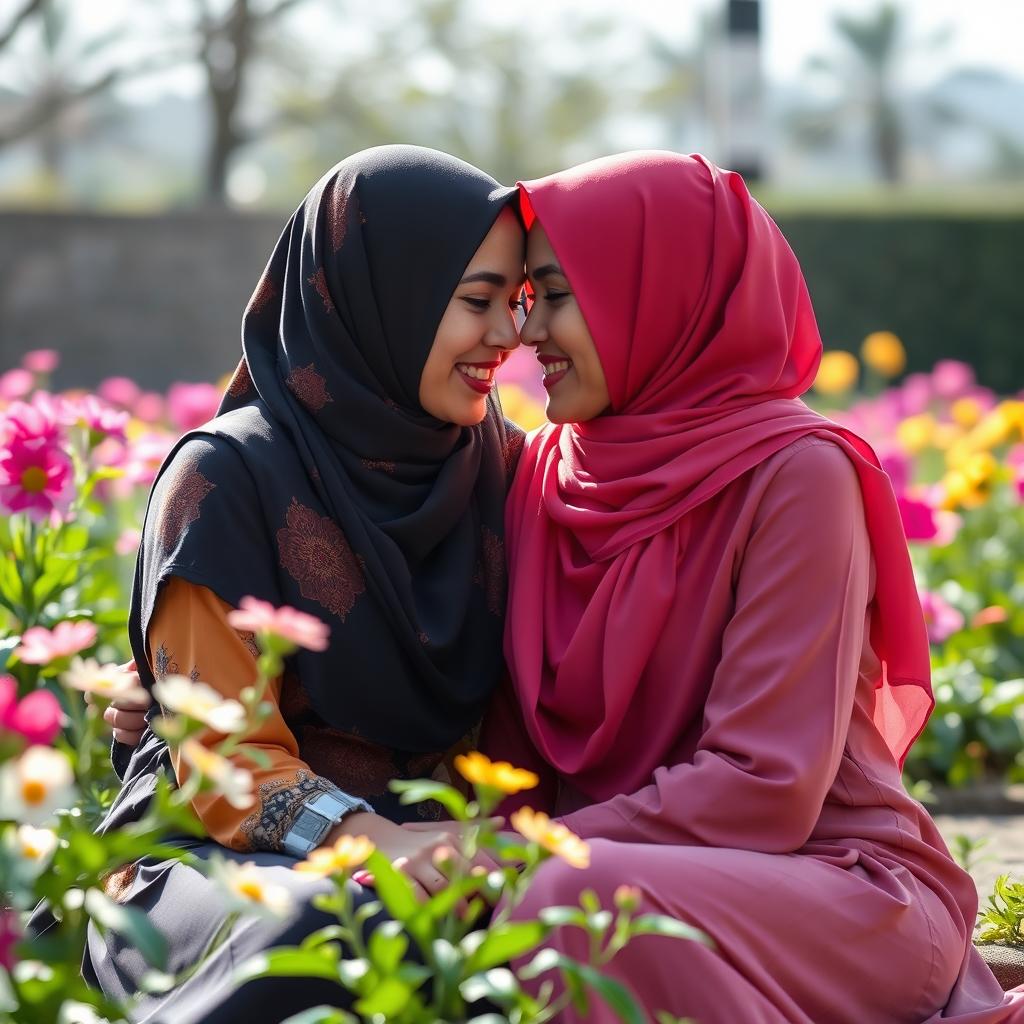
point(415, 791)
point(659, 924)
point(291, 961)
point(394, 888)
point(387, 947)
point(499, 985)
point(321, 1015)
point(506, 942)
point(614, 993)
point(130, 923)
point(555, 916)
point(389, 998)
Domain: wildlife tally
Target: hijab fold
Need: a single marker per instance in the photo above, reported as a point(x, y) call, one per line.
point(704, 327)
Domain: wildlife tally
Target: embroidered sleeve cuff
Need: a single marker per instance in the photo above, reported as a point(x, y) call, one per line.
point(295, 814)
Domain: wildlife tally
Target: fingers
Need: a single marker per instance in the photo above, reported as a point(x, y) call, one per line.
point(128, 726)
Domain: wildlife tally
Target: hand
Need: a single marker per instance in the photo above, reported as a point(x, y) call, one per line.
point(414, 851)
point(126, 718)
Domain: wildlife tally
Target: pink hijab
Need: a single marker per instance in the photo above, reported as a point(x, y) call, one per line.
point(705, 331)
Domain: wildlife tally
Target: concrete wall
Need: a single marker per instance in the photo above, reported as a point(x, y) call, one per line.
point(157, 299)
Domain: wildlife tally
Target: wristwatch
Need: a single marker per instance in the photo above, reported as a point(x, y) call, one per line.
point(317, 817)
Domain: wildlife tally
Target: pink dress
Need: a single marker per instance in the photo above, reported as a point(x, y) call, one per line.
point(779, 826)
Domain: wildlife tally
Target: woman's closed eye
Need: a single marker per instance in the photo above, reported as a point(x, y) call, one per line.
point(483, 305)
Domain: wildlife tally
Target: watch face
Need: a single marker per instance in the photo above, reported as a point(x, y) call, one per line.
point(309, 826)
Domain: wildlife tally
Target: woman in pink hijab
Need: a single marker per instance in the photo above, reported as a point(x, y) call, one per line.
point(717, 655)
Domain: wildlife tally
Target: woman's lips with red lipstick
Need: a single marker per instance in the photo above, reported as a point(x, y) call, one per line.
point(555, 368)
point(479, 376)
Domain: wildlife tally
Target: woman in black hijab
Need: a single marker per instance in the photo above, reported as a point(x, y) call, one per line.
point(357, 471)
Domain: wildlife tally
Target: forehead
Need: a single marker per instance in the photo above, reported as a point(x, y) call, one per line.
point(502, 245)
point(538, 248)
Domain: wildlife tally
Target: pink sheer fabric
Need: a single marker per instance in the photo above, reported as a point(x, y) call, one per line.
point(704, 327)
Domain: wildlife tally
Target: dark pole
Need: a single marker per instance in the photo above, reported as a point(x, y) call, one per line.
point(744, 129)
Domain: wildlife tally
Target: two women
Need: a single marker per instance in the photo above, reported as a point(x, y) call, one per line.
point(715, 652)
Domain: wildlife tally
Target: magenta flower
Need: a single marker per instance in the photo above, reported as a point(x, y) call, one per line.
point(99, 418)
point(952, 378)
point(37, 717)
point(127, 542)
point(915, 394)
point(119, 391)
point(10, 935)
point(297, 627)
point(15, 384)
point(941, 618)
point(145, 457)
point(41, 360)
point(38, 423)
point(40, 646)
point(150, 408)
point(918, 518)
point(191, 405)
point(36, 479)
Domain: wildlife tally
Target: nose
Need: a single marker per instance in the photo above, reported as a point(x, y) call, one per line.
point(533, 331)
point(504, 334)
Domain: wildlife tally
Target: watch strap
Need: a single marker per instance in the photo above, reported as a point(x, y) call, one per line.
point(317, 816)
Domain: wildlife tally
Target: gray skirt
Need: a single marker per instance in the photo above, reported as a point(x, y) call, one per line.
point(187, 907)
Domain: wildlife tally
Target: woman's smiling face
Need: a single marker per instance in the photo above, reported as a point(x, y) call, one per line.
point(478, 329)
point(573, 375)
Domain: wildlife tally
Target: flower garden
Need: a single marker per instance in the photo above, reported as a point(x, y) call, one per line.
point(75, 470)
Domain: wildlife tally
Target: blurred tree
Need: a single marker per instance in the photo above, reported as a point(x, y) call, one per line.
point(60, 76)
point(868, 75)
point(227, 45)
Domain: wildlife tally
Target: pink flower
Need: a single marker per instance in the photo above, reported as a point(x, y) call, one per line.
point(191, 405)
point(101, 419)
point(145, 457)
point(119, 391)
point(149, 408)
point(16, 384)
point(897, 467)
point(952, 378)
point(915, 394)
point(941, 618)
point(128, 542)
point(38, 423)
point(41, 360)
point(262, 617)
point(918, 518)
point(37, 717)
point(10, 935)
point(40, 646)
point(36, 479)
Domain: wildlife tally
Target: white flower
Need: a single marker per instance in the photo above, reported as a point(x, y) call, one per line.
point(107, 681)
point(72, 1012)
point(36, 785)
point(201, 702)
point(234, 784)
point(34, 847)
point(246, 888)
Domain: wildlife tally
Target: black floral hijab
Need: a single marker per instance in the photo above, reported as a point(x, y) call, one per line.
point(323, 484)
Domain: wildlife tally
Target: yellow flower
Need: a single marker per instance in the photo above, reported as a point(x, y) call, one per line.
point(970, 483)
point(1012, 413)
point(552, 835)
point(520, 407)
point(482, 771)
point(966, 412)
point(347, 853)
point(916, 433)
point(247, 887)
point(884, 353)
point(837, 373)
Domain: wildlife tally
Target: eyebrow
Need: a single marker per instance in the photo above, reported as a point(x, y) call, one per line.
point(487, 276)
point(547, 270)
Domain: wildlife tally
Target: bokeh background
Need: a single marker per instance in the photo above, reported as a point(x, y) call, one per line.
point(150, 150)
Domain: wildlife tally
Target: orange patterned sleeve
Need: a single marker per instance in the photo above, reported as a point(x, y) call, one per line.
point(189, 634)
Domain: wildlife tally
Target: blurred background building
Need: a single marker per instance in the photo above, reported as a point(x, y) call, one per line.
point(151, 149)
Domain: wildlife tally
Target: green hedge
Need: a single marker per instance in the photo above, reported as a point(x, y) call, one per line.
point(950, 285)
